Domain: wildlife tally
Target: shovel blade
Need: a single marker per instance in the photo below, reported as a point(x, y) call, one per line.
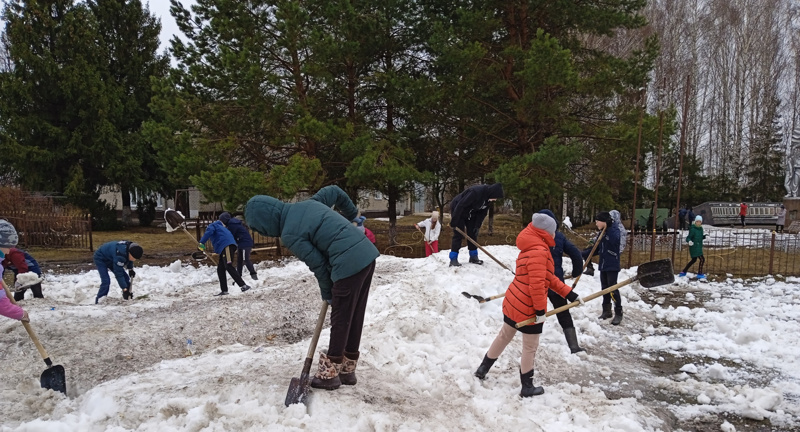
point(199, 256)
point(174, 219)
point(54, 378)
point(298, 391)
point(655, 273)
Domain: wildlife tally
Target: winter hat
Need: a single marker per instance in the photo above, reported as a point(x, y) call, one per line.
point(225, 217)
point(604, 217)
point(135, 250)
point(8, 235)
point(544, 222)
point(549, 213)
point(698, 218)
point(435, 215)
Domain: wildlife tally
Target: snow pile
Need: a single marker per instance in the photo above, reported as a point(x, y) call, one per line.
point(127, 370)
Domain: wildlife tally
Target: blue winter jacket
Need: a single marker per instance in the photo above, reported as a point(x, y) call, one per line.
point(608, 249)
point(564, 246)
point(238, 229)
point(330, 245)
point(219, 235)
point(115, 257)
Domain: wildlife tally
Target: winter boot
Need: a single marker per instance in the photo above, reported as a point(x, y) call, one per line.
point(221, 293)
point(572, 340)
point(701, 276)
point(254, 276)
point(606, 311)
point(245, 287)
point(617, 315)
point(483, 369)
point(454, 259)
point(682, 274)
point(327, 377)
point(527, 385)
point(589, 271)
point(348, 373)
point(473, 258)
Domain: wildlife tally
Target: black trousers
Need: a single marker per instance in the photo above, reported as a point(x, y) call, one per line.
point(347, 311)
point(224, 264)
point(702, 263)
point(37, 292)
point(472, 227)
point(564, 318)
point(607, 279)
point(243, 259)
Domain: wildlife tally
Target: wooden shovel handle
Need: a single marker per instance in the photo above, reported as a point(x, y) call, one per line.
point(591, 296)
point(589, 258)
point(30, 331)
point(195, 241)
point(482, 249)
point(314, 339)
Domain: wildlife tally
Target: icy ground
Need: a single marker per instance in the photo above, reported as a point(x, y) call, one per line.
point(687, 357)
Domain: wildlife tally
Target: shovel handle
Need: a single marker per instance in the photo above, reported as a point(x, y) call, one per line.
point(313, 345)
point(591, 296)
point(589, 258)
point(30, 331)
point(494, 297)
point(482, 249)
point(195, 240)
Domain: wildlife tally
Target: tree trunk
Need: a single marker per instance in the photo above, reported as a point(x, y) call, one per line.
point(393, 196)
point(127, 218)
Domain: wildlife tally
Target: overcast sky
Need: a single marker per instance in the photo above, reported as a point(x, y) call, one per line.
point(160, 8)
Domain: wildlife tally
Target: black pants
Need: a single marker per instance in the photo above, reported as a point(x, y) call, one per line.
point(243, 259)
point(347, 311)
point(564, 318)
point(607, 279)
point(702, 262)
point(742, 218)
point(472, 226)
point(779, 228)
point(37, 292)
point(226, 264)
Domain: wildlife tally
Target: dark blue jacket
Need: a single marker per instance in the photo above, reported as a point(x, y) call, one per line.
point(564, 246)
point(473, 204)
point(238, 229)
point(219, 235)
point(608, 249)
point(115, 257)
point(330, 245)
point(682, 214)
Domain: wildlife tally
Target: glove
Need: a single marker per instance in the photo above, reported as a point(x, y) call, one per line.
point(131, 273)
point(691, 243)
point(540, 317)
point(574, 297)
point(201, 246)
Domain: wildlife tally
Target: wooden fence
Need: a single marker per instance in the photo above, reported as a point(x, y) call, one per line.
point(51, 230)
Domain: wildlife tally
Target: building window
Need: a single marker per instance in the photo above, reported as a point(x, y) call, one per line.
point(378, 195)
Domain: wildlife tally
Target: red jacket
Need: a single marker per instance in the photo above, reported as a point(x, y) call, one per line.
point(742, 210)
point(370, 235)
point(535, 275)
point(16, 258)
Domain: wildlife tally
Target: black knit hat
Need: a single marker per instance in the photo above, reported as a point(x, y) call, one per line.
point(135, 250)
point(603, 217)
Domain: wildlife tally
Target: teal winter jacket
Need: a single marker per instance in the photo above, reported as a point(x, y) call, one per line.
point(325, 240)
point(696, 237)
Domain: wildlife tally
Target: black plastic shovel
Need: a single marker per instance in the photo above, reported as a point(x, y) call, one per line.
point(300, 387)
point(54, 377)
point(649, 274)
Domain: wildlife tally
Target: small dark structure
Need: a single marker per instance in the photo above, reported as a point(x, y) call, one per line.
point(727, 213)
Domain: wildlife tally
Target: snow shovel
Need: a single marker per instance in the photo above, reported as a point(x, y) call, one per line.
point(54, 377)
point(482, 249)
point(300, 387)
point(175, 220)
point(649, 274)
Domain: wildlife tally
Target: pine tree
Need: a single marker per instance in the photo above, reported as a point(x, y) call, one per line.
point(765, 169)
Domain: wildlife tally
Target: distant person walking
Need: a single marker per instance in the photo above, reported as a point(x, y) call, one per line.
point(781, 219)
point(682, 218)
point(695, 240)
point(743, 213)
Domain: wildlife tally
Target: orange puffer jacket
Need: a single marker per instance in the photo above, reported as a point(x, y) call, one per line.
point(528, 292)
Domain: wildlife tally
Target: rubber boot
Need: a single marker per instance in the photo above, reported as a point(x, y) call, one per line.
point(327, 376)
point(348, 373)
point(606, 311)
point(589, 270)
point(474, 259)
point(454, 259)
point(528, 389)
point(483, 369)
point(617, 315)
point(572, 340)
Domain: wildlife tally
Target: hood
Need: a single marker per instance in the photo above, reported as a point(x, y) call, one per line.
point(615, 216)
point(264, 214)
point(549, 213)
point(225, 217)
point(532, 236)
point(496, 191)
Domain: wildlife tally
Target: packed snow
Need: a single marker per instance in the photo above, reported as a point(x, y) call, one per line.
point(688, 356)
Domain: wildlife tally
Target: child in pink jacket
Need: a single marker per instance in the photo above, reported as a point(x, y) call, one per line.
point(8, 240)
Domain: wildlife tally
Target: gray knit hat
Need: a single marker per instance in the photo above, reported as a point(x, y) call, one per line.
point(545, 222)
point(8, 235)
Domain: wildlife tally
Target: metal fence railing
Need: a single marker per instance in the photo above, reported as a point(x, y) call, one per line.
point(52, 230)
